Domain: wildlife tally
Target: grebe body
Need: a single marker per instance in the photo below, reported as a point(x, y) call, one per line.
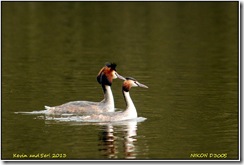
point(105, 78)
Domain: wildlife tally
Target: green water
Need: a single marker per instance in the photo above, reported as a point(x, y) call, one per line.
point(185, 52)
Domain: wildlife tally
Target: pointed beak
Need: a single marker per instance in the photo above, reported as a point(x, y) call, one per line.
point(119, 76)
point(142, 85)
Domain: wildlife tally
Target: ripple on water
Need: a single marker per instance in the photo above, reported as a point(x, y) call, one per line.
point(73, 118)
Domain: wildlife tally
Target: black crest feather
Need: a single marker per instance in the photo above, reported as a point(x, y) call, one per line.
point(111, 65)
point(99, 78)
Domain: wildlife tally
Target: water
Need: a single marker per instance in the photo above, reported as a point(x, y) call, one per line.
point(185, 52)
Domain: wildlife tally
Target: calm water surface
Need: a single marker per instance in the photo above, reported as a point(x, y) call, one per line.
point(186, 52)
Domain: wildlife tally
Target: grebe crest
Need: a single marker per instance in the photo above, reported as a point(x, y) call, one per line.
point(107, 74)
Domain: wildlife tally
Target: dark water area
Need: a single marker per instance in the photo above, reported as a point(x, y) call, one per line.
point(185, 52)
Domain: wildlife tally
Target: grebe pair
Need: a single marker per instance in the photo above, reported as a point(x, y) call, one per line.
point(98, 109)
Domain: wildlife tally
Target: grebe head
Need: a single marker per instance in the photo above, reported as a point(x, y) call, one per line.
point(107, 74)
point(131, 82)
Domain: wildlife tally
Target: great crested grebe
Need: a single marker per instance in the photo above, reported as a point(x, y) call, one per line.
point(130, 111)
point(105, 78)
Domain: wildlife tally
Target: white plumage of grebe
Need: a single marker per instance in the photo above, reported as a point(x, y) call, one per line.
point(105, 78)
point(130, 111)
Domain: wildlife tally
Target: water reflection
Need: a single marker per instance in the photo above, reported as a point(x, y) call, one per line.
point(115, 139)
point(109, 143)
point(130, 140)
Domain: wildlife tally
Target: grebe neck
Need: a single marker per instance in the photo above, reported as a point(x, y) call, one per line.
point(130, 107)
point(108, 97)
